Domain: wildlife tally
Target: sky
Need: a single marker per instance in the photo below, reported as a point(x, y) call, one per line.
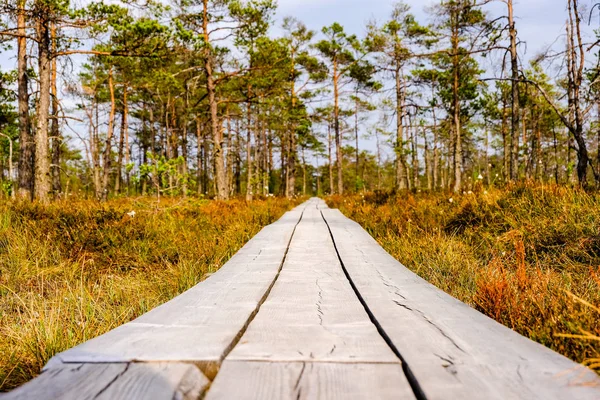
point(540, 23)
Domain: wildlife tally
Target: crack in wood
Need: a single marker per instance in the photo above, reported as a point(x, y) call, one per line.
point(412, 380)
point(112, 381)
point(387, 284)
point(300, 376)
point(437, 327)
point(262, 300)
point(319, 302)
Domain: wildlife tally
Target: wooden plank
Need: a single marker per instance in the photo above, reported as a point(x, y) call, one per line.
point(123, 381)
point(243, 380)
point(311, 339)
point(202, 324)
point(312, 313)
point(452, 350)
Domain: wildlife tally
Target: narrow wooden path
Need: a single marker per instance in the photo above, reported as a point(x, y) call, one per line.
point(312, 308)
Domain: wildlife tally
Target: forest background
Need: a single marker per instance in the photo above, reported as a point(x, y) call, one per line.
point(225, 98)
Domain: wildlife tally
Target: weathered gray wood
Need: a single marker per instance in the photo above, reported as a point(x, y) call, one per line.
point(312, 338)
point(453, 351)
point(312, 313)
point(243, 380)
point(122, 381)
point(202, 324)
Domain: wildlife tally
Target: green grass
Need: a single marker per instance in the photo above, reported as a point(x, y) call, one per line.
point(73, 270)
point(528, 257)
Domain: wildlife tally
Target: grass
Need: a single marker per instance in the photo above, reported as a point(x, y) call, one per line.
point(529, 257)
point(73, 270)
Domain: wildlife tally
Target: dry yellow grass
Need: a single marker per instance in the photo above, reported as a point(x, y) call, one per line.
point(74, 270)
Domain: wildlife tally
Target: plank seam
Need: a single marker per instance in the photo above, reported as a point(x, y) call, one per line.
point(412, 380)
point(239, 335)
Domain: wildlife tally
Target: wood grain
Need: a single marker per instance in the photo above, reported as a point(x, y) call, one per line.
point(246, 380)
point(312, 313)
point(453, 351)
point(123, 381)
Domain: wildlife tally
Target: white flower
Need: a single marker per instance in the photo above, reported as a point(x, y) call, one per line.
point(131, 214)
point(480, 177)
point(451, 200)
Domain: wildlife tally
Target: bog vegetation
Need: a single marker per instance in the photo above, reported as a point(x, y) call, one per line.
point(528, 257)
point(72, 271)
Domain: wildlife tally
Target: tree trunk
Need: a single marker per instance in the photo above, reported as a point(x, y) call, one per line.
point(576, 75)
point(238, 159)
point(109, 135)
point(292, 153)
point(598, 138)
point(338, 137)
point(199, 157)
point(415, 157)
point(42, 162)
point(284, 163)
point(525, 160)
point(249, 177)
point(26, 140)
point(205, 163)
point(555, 145)
point(533, 150)
point(184, 142)
point(230, 155)
point(457, 150)
point(330, 145)
point(428, 169)
point(218, 159)
point(514, 63)
point(377, 142)
point(506, 141)
point(487, 158)
point(122, 143)
point(95, 147)
point(303, 172)
point(401, 173)
point(54, 127)
point(318, 178)
point(356, 152)
point(436, 151)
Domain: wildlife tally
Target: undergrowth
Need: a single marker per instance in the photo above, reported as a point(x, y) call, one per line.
point(529, 257)
point(73, 270)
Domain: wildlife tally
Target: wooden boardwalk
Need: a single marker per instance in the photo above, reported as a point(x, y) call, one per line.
point(312, 308)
